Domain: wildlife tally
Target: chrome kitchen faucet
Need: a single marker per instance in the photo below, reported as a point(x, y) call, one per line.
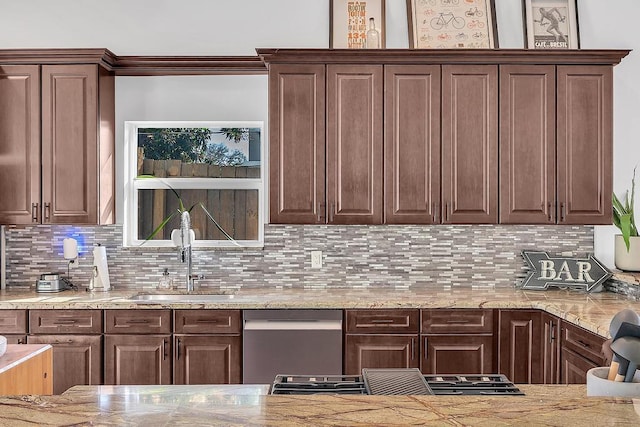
point(185, 249)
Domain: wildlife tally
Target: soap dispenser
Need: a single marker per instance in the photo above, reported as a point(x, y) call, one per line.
point(165, 281)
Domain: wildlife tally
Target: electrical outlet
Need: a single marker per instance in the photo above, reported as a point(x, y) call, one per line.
point(74, 264)
point(316, 259)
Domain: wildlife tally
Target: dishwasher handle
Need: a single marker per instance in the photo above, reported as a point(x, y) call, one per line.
point(297, 324)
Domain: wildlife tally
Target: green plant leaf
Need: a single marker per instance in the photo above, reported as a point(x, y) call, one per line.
point(218, 225)
point(160, 227)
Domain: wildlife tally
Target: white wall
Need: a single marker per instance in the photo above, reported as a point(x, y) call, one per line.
point(235, 27)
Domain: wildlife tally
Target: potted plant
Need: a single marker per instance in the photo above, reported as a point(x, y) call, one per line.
point(627, 244)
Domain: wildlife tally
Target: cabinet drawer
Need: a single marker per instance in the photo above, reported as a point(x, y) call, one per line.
point(65, 321)
point(585, 343)
point(382, 321)
point(13, 322)
point(137, 321)
point(206, 321)
point(457, 321)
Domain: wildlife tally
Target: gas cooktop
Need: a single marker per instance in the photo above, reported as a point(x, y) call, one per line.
point(396, 382)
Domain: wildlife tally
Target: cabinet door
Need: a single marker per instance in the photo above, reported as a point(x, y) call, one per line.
point(470, 144)
point(354, 144)
point(551, 349)
point(585, 146)
point(137, 359)
point(380, 351)
point(13, 322)
point(19, 144)
point(207, 359)
point(412, 144)
point(457, 354)
point(77, 359)
point(519, 346)
point(574, 368)
point(527, 144)
point(69, 144)
point(297, 143)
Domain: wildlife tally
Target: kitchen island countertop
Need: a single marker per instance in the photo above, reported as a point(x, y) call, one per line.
point(591, 311)
point(246, 405)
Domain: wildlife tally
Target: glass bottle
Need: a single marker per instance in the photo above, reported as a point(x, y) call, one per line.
point(373, 35)
point(165, 281)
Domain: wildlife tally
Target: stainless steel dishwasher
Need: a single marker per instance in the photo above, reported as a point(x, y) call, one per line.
point(290, 342)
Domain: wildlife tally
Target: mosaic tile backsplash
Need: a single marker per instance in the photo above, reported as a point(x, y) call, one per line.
point(475, 256)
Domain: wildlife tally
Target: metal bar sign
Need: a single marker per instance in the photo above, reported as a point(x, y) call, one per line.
point(583, 273)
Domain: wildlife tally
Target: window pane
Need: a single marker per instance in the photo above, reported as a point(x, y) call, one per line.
point(236, 211)
point(201, 152)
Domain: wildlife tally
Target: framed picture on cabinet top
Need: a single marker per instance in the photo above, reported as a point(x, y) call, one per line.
point(551, 24)
point(452, 24)
point(356, 24)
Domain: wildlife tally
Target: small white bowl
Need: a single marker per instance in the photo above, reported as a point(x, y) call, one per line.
point(599, 385)
point(3, 345)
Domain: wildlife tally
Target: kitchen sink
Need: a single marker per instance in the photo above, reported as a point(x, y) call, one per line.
point(186, 298)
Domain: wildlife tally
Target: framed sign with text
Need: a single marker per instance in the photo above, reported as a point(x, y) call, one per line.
point(352, 21)
point(565, 272)
point(551, 24)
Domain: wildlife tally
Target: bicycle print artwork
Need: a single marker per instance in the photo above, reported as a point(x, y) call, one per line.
point(448, 24)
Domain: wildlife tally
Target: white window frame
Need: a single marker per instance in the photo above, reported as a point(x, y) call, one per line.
point(132, 184)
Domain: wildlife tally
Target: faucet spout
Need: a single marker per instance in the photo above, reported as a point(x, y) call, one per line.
point(185, 249)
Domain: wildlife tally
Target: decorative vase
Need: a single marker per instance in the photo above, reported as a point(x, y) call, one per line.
point(627, 260)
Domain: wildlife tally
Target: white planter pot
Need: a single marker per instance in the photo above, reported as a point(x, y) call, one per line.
point(627, 261)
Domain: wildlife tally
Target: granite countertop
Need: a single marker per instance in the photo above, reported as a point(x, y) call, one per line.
point(246, 405)
point(591, 311)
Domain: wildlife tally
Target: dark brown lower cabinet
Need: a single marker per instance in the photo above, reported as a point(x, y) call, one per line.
point(574, 368)
point(206, 359)
point(137, 359)
point(550, 349)
point(457, 341)
point(457, 354)
point(519, 345)
point(380, 351)
point(77, 359)
point(580, 351)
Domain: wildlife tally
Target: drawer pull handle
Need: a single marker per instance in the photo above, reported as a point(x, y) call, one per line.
point(164, 349)
point(178, 349)
point(584, 344)
point(207, 320)
point(413, 349)
point(458, 322)
point(382, 321)
point(34, 212)
point(138, 321)
point(65, 322)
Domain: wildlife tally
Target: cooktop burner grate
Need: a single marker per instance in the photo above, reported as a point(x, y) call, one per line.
point(318, 384)
point(395, 382)
point(494, 384)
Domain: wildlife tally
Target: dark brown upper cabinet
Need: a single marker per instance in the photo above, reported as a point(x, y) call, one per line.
point(297, 143)
point(412, 144)
point(563, 173)
point(473, 137)
point(58, 125)
point(470, 144)
point(354, 144)
point(585, 144)
point(527, 144)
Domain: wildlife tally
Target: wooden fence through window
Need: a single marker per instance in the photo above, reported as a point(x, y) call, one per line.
point(236, 211)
